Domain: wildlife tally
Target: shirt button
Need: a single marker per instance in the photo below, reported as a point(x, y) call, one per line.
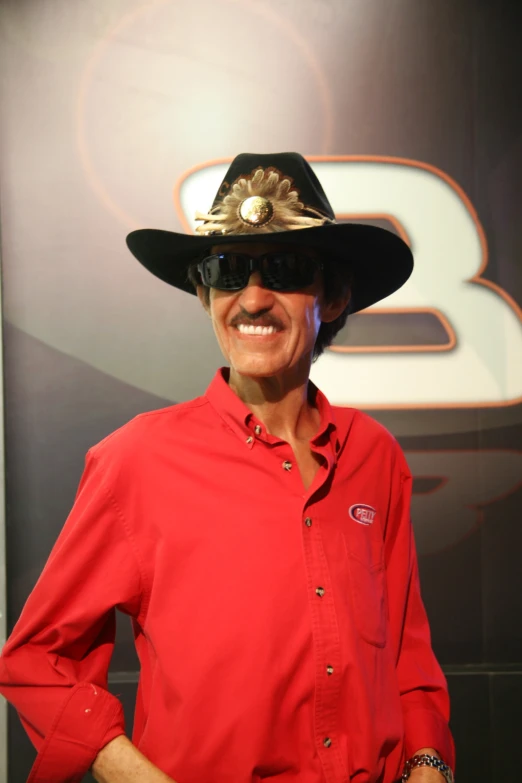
point(308, 522)
point(249, 439)
point(258, 430)
point(327, 742)
point(329, 669)
point(287, 465)
point(319, 591)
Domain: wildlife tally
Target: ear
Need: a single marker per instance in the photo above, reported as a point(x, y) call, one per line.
point(332, 310)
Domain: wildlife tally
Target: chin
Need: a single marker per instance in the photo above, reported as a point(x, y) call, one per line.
point(256, 367)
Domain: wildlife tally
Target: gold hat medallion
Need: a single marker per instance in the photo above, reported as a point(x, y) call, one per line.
point(256, 211)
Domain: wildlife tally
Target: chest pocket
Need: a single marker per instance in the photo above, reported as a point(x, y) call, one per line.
point(367, 580)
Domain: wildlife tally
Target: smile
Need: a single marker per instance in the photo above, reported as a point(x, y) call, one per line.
point(251, 329)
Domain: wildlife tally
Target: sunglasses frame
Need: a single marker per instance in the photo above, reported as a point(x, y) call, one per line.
point(254, 264)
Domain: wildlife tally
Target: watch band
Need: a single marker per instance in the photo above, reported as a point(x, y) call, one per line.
point(426, 760)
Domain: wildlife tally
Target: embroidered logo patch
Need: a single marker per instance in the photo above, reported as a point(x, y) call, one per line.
point(362, 513)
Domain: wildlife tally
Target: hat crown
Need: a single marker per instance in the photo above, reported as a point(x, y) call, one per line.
point(290, 165)
point(267, 193)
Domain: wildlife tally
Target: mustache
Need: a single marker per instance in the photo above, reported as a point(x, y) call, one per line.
point(261, 318)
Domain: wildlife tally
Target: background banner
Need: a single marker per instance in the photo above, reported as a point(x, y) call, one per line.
point(121, 114)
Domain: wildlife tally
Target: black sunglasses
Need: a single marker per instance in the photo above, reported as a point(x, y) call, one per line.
point(279, 271)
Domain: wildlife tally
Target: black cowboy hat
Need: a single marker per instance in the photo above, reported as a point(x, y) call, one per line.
point(269, 198)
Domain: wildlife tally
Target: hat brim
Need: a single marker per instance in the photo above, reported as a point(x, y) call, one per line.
point(380, 261)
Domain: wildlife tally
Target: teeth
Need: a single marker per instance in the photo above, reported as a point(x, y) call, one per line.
point(251, 329)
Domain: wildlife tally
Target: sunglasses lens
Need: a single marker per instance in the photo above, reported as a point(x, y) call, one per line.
point(226, 271)
point(279, 271)
point(288, 271)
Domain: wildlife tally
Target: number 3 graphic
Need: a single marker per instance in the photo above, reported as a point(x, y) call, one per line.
point(484, 367)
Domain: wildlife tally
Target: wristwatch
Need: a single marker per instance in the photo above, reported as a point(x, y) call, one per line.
point(427, 761)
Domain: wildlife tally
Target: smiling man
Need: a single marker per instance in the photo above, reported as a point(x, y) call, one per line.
point(259, 538)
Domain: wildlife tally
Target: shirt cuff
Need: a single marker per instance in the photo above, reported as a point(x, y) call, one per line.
point(426, 729)
point(89, 718)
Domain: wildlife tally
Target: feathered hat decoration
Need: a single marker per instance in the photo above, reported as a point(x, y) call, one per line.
point(264, 200)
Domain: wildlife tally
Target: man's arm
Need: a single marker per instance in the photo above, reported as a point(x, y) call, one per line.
point(54, 666)
point(422, 685)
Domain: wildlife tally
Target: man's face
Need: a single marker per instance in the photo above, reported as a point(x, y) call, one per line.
point(291, 320)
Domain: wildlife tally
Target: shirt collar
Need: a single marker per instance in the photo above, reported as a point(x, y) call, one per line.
point(240, 419)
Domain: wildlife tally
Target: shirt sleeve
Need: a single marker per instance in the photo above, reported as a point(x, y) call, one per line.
point(54, 666)
point(422, 685)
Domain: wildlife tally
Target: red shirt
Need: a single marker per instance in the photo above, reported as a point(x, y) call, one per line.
point(280, 632)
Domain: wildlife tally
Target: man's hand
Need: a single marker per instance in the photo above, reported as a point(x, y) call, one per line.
point(121, 762)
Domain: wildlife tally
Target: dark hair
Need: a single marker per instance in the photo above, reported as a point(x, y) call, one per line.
point(337, 277)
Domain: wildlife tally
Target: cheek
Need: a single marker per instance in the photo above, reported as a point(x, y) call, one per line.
point(215, 306)
point(218, 312)
point(312, 317)
point(219, 326)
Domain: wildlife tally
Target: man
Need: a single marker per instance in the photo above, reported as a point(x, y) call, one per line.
point(259, 538)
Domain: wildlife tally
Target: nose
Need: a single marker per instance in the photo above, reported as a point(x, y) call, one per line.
point(255, 278)
point(254, 296)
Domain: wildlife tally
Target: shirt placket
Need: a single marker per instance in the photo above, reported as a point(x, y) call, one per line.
point(283, 453)
point(326, 639)
point(325, 629)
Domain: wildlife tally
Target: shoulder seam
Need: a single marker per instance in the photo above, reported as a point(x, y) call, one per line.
point(196, 403)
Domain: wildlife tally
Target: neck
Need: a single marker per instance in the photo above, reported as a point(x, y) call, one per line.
point(281, 402)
